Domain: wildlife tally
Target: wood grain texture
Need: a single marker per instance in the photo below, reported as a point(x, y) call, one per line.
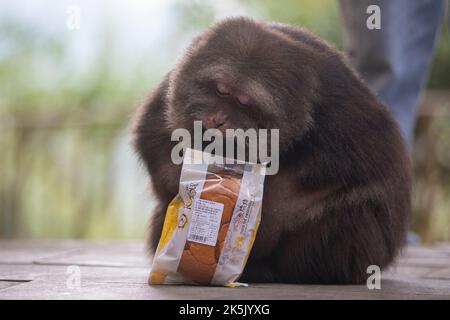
point(119, 270)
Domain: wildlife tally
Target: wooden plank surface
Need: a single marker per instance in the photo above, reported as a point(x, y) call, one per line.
point(119, 270)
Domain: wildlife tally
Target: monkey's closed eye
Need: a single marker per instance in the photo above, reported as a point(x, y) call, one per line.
point(243, 99)
point(222, 89)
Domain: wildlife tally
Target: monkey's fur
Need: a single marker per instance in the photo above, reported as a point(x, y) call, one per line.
point(341, 199)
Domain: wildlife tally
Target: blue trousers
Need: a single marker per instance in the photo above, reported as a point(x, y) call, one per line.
point(395, 59)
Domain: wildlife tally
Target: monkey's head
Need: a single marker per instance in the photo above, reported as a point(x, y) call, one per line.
point(245, 74)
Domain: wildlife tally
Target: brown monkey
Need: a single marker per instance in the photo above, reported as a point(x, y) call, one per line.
point(341, 199)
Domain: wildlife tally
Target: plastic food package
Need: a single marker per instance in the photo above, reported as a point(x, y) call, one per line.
point(210, 226)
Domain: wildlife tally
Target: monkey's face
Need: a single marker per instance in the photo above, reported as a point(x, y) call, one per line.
point(244, 75)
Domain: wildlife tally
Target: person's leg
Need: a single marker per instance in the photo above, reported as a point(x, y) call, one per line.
point(447, 5)
point(394, 60)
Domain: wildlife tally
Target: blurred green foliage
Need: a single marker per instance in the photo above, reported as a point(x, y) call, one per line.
point(440, 68)
point(59, 129)
point(320, 17)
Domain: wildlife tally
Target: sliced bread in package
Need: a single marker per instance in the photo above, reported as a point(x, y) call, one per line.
point(211, 224)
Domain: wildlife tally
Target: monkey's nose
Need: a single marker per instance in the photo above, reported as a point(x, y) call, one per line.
point(215, 121)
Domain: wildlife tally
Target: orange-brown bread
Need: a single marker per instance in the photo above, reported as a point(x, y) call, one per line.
point(198, 261)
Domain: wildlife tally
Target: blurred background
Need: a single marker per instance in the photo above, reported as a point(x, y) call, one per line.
point(68, 87)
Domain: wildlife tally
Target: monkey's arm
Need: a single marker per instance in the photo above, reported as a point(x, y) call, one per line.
point(153, 144)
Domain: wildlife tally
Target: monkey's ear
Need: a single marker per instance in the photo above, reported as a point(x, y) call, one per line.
point(199, 41)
